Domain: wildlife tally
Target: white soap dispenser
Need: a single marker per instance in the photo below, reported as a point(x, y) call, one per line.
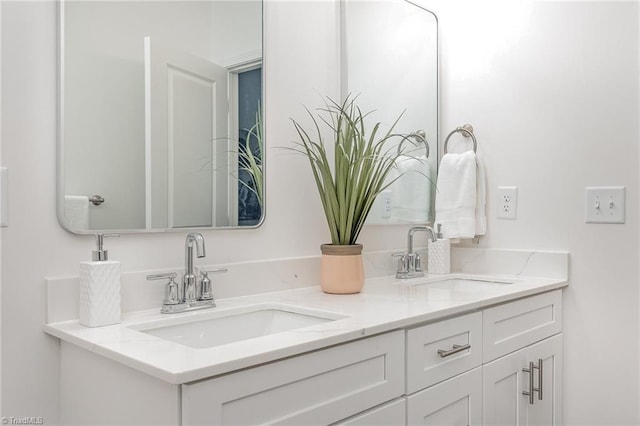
point(100, 288)
point(439, 261)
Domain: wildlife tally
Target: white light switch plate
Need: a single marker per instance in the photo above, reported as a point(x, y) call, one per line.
point(605, 204)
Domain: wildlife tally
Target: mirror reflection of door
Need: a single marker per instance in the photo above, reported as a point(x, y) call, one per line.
point(108, 112)
point(186, 115)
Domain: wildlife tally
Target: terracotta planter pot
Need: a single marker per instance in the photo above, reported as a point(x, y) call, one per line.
point(341, 270)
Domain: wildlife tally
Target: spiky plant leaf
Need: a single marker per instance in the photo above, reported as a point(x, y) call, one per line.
point(362, 163)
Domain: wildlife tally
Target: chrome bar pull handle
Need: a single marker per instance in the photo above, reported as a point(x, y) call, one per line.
point(539, 389)
point(454, 350)
point(529, 393)
point(532, 388)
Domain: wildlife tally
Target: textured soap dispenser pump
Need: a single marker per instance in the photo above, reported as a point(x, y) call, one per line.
point(100, 287)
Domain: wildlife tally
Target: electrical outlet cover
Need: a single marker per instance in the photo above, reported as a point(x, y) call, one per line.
point(507, 202)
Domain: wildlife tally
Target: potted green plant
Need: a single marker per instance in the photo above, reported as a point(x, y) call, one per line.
point(348, 180)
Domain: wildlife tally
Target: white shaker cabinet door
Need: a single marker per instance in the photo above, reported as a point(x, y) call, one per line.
point(506, 381)
point(454, 402)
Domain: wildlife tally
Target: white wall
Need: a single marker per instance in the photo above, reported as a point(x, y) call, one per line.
point(234, 41)
point(551, 88)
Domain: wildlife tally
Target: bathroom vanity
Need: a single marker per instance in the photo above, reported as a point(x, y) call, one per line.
point(454, 349)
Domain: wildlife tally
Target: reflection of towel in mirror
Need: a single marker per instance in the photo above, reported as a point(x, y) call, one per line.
point(76, 212)
point(461, 196)
point(411, 194)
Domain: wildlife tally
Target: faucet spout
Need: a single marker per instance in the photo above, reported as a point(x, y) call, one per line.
point(198, 239)
point(189, 279)
point(418, 229)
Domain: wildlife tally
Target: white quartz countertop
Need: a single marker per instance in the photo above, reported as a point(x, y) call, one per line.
point(385, 304)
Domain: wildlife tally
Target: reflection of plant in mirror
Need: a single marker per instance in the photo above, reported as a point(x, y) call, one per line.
point(250, 160)
point(361, 166)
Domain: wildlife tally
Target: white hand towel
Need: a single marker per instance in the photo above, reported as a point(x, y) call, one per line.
point(456, 196)
point(481, 199)
point(76, 211)
point(411, 193)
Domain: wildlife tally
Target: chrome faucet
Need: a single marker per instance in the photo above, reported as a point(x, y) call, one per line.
point(193, 295)
point(189, 280)
point(409, 262)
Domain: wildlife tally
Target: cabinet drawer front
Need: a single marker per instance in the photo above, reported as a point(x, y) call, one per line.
point(515, 325)
point(427, 366)
point(457, 401)
point(320, 387)
point(392, 413)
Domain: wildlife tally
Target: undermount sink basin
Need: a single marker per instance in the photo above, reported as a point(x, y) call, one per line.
point(216, 328)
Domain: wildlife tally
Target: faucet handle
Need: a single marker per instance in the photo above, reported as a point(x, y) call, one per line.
point(417, 264)
point(205, 283)
point(171, 293)
point(214, 271)
point(403, 262)
point(161, 276)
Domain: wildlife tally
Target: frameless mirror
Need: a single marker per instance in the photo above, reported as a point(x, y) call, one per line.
point(390, 61)
point(160, 115)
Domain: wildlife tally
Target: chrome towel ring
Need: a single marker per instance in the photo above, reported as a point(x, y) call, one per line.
point(419, 136)
point(467, 132)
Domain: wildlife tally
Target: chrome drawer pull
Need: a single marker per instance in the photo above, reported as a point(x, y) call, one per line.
point(539, 379)
point(532, 388)
point(454, 350)
point(529, 393)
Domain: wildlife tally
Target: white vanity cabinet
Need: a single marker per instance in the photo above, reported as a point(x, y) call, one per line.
point(470, 370)
point(532, 327)
point(321, 387)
